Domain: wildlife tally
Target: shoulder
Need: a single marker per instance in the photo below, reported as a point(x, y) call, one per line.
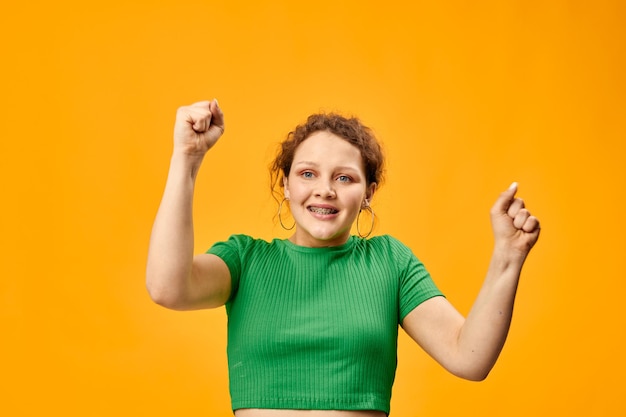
point(241, 252)
point(239, 241)
point(244, 245)
point(385, 249)
point(386, 244)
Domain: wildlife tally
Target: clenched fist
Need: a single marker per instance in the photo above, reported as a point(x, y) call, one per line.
point(198, 127)
point(514, 228)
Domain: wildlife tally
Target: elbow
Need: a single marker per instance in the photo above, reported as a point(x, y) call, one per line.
point(160, 294)
point(475, 376)
point(474, 372)
point(473, 364)
point(164, 299)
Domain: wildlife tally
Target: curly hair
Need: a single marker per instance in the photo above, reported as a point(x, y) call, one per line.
point(348, 128)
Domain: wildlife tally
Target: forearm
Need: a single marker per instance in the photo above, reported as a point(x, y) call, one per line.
point(170, 256)
point(486, 327)
point(469, 347)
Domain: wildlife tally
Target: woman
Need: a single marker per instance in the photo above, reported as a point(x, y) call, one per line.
point(313, 319)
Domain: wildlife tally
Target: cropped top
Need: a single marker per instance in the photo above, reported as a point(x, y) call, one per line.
point(317, 328)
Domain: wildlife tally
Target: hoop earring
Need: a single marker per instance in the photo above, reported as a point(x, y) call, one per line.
point(280, 207)
point(368, 208)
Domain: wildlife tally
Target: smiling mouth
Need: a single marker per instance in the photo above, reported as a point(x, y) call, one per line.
point(321, 210)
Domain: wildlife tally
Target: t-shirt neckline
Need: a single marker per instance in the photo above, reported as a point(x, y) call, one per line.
point(323, 249)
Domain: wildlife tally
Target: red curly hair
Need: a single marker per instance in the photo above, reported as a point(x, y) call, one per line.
point(348, 128)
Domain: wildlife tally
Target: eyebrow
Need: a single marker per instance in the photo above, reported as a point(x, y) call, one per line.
point(314, 164)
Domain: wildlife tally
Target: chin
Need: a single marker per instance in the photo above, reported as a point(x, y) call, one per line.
point(329, 238)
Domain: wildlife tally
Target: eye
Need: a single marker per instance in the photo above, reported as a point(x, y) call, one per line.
point(344, 178)
point(306, 174)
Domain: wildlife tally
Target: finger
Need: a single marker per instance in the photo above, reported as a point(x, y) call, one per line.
point(516, 205)
point(199, 125)
point(217, 114)
point(205, 104)
point(531, 225)
point(520, 218)
point(503, 202)
point(199, 116)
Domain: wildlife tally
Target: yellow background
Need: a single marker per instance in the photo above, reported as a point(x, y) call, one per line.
point(466, 96)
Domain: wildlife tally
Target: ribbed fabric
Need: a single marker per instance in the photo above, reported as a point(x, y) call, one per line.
point(317, 328)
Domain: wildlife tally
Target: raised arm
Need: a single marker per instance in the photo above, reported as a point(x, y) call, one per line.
point(174, 277)
point(470, 347)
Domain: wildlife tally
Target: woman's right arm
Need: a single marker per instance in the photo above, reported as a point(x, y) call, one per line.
point(175, 278)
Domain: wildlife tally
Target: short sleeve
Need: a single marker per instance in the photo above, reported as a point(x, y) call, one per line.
point(416, 284)
point(231, 252)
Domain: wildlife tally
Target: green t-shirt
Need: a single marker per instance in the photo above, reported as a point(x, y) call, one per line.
point(317, 328)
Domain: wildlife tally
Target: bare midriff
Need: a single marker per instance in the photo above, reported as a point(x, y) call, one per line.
point(257, 412)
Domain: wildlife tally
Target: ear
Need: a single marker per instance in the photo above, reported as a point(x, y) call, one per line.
point(286, 187)
point(369, 193)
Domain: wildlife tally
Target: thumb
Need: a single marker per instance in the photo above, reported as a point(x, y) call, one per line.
point(217, 114)
point(503, 202)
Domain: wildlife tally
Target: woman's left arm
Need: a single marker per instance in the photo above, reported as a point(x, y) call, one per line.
point(469, 347)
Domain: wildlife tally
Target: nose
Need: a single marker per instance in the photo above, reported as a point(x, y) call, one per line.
point(325, 189)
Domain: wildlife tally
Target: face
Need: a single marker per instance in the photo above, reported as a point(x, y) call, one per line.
point(326, 188)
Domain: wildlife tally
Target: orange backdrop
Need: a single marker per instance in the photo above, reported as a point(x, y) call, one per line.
point(466, 98)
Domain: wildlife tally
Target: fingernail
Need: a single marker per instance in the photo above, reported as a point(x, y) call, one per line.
point(218, 104)
point(512, 186)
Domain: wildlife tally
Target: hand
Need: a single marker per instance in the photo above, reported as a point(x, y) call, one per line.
point(198, 127)
point(513, 226)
